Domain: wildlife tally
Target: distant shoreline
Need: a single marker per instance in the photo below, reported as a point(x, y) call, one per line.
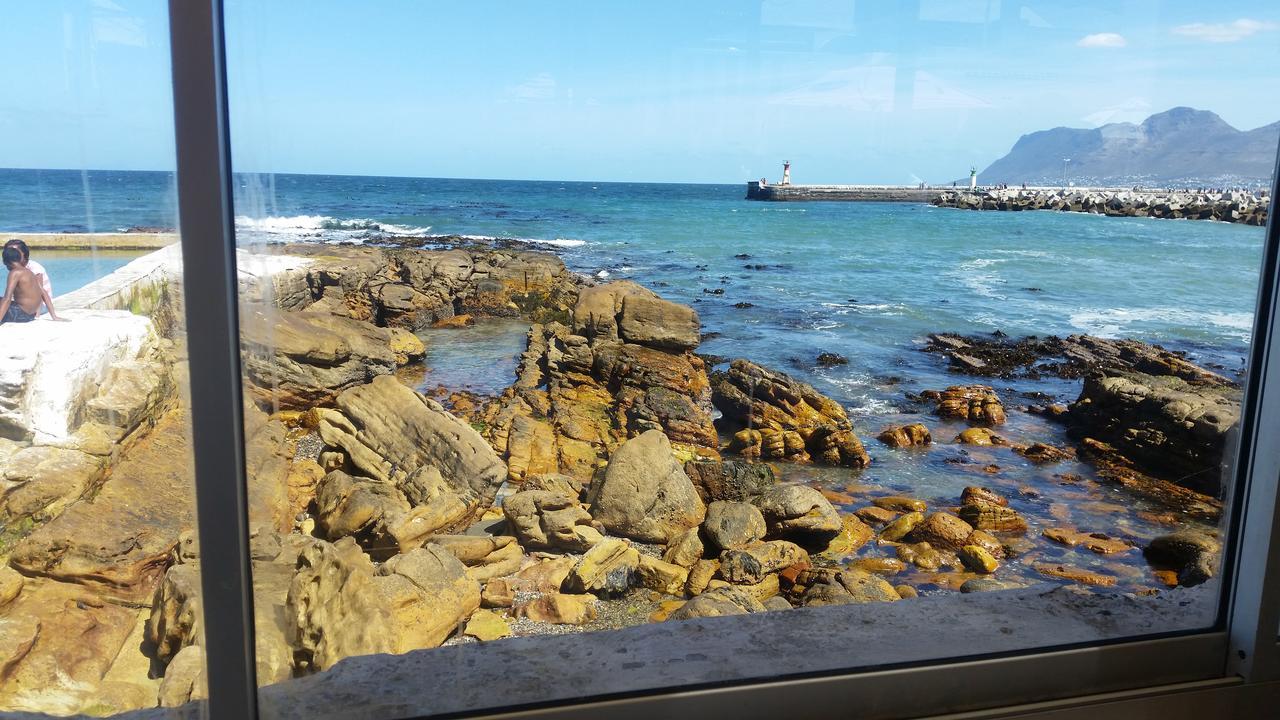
point(94, 241)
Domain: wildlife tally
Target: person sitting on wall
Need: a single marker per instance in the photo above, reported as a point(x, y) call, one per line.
point(32, 265)
point(23, 293)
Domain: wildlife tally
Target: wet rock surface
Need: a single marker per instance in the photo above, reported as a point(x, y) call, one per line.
point(776, 416)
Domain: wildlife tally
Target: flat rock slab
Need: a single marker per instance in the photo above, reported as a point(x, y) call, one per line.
point(58, 641)
point(121, 539)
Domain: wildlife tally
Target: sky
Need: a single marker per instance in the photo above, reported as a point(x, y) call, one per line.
point(880, 91)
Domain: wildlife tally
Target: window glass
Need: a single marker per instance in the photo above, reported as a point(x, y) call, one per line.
point(895, 331)
point(100, 583)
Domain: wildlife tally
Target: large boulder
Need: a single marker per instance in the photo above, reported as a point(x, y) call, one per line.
point(975, 404)
point(547, 519)
point(798, 512)
point(645, 493)
point(627, 311)
point(295, 360)
point(394, 435)
point(729, 479)
point(785, 418)
point(1171, 427)
point(340, 605)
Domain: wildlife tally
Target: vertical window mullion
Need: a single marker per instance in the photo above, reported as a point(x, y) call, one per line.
point(1255, 600)
point(209, 275)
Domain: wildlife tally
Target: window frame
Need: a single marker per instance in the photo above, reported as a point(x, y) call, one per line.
point(1242, 648)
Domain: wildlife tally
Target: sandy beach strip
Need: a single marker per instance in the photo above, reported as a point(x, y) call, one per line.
point(94, 241)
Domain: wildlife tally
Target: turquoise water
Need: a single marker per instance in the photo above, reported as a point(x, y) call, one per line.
point(73, 270)
point(868, 281)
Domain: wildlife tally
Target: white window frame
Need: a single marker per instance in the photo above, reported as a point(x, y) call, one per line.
point(1241, 652)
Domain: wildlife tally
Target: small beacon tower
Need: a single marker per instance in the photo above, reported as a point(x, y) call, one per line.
point(973, 178)
point(786, 173)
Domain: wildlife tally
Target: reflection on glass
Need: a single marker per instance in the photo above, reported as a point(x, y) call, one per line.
point(847, 388)
point(100, 587)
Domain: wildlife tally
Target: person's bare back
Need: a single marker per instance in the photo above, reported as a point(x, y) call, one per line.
point(26, 290)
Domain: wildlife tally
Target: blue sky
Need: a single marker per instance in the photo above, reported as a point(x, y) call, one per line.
point(703, 91)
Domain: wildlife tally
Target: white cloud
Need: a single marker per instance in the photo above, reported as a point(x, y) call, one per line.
point(1225, 32)
point(539, 87)
point(1102, 40)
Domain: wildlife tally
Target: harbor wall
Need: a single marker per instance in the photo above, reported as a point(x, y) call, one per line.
point(845, 193)
point(1230, 206)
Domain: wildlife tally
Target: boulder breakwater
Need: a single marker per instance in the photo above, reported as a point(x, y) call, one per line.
point(1234, 206)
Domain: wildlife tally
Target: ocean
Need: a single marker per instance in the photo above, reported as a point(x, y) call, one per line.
point(777, 283)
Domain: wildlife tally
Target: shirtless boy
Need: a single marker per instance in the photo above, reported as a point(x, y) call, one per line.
point(23, 293)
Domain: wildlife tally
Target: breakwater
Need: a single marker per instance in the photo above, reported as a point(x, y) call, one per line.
point(846, 193)
point(1235, 206)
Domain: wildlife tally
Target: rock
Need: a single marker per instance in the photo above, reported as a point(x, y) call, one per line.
point(559, 609)
point(1193, 555)
point(922, 555)
point(487, 625)
point(650, 320)
point(405, 346)
point(457, 321)
point(988, 584)
point(729, 479)
point(184, 678)
point(1075, 574)
point(901, 527)
point(606, 569)
point(981, 496)
point(51, 372)
point(732, 525)
point(751, 564)
point(794, 420)
point(980, 436)
point(661, 576)
point(686, 550)
point(11, 582)
point(873, 515)
point(43, 480)
point(830, 359)
point(497, 593)
point(546, 519)
point(394, 435)
point(850, 586)
point(339, 605)
point(899, 436)
point(900, 504)
point(360, 508)
point(1096, 542)
point(987, 542)
point(298, 360)
point(978, 559)
point(906, 592)
point(994, 518)
point(543, 577)
point(1043, 454)
point(717, 603)
point(976, 404)
point(123, 539)
point(853, 535)
point(942, 530)
point(700, 576)
point(1169, 426)
point(554, 482)
point(486, 557)
point(879, 565)
point(645, 493)
point(798, 512)
point(776, 602)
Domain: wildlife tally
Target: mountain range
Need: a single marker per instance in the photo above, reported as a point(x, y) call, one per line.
point(1178, 147)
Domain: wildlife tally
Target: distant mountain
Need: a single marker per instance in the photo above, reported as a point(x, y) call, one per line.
point(1182, 146)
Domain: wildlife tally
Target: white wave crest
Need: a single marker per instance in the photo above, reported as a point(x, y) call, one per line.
point(1112, 322)
point(274, 228)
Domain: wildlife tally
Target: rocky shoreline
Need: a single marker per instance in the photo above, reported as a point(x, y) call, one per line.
point(1234, 206)
point(619, 480)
